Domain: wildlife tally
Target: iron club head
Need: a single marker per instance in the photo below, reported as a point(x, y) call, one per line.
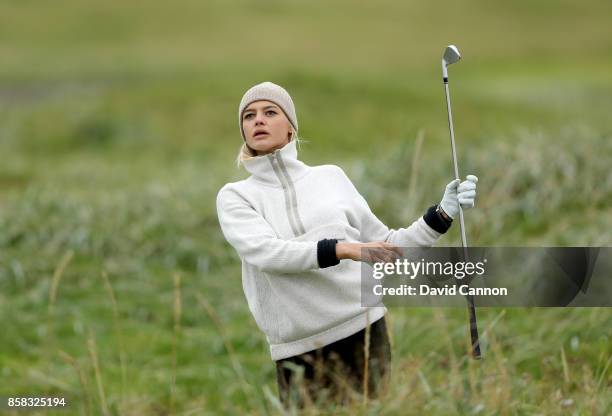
point(451, 56)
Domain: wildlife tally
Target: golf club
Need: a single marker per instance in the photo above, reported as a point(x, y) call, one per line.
point(451, 56)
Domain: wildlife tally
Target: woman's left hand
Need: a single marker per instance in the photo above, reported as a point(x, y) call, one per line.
point(456, 193)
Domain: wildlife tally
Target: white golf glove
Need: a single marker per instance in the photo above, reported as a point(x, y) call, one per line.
point(456, 193)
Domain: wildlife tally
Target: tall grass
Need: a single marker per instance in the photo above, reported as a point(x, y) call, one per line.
point(93, 354)
point(83, 380)
point(118, 332)
point(175, 339)
point(522, 370)
point(53, 287)
point(251, 393)
point(117, 127)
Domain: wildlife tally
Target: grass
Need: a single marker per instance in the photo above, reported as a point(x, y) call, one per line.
point(118, 126)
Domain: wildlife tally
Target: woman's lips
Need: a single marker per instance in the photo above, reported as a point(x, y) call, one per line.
point(260, 134)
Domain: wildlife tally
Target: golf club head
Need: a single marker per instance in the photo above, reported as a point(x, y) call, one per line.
point(451, 55)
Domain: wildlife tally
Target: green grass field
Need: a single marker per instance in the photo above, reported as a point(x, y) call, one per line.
point(118, 126)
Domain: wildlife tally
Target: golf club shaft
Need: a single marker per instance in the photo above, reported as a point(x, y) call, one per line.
point(470, 299)
point(454, 152)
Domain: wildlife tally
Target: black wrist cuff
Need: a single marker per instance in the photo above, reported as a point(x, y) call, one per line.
point(326, 253)
point(433, 218)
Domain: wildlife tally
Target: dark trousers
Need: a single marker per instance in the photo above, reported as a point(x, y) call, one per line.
point(336, 372)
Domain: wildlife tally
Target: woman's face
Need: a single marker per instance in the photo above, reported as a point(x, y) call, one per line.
point(265, 126)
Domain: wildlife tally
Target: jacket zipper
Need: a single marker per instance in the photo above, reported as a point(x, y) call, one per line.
point(280, 170)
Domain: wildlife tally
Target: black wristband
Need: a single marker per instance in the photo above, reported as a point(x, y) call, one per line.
point(433, 218)
point(326, 253)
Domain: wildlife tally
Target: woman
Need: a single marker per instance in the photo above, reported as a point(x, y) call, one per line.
point(299, 231)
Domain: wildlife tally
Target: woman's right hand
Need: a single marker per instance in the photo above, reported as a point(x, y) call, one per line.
point(378, 251)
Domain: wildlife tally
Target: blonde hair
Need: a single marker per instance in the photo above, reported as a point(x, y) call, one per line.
point(246, 153)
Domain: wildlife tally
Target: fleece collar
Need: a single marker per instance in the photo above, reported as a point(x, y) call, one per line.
point(279, 168)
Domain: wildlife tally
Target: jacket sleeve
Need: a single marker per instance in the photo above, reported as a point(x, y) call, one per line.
point(256, 242)
point(417, 234)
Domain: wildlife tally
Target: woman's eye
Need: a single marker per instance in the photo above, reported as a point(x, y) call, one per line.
point(270, 111)
point(248, 115)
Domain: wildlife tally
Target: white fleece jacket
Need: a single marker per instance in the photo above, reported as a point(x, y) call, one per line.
point(274, 219)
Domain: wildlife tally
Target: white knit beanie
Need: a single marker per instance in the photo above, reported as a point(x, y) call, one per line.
point(270, 92)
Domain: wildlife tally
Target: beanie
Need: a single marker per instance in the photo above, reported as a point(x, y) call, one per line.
point(270, 92)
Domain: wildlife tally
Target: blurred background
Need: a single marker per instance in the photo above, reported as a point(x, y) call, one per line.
point(118, 125)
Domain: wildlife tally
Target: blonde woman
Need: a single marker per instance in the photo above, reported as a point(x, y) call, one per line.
point(299, 231)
